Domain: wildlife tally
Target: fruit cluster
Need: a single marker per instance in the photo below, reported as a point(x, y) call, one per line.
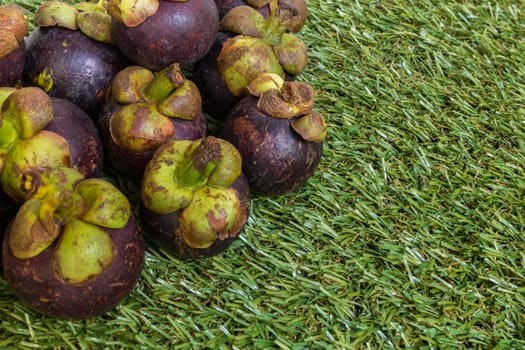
point(132, 86)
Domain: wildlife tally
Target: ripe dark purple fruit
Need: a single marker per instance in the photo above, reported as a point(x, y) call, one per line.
point(68, 64)
point(13, 28)
point(145, 111)
point(73, 250)
point(45, 292)
point(132, 163)
point(175, 32)
point(12, 66)
point(247, 46)
point(278, 135)
point(195, 200)
point(85, 144)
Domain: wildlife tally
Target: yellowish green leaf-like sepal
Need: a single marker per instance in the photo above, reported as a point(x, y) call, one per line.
point(56, 13)
point(44, 150)
point(29, 109)
point(140, 127)
point(95, 25)
point(28, 236)
point(103, 204)
point(311, 127)
point(183, 103)
point(213, 213)
point(132, 12)
point(244, 58)
point(84, 251)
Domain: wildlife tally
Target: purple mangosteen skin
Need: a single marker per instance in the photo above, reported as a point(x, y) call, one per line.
point(82, 68)
point(276, 160)
point(163, 228)
point(72, 123)
point(217, 98)
point(179, 32)
point(12, 66)
point(133, 164)
point(226, 5)
point(35, 283)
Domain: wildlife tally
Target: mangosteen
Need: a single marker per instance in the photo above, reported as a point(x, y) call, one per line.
point(70, 59)
point(73, 250)
point(154, 34)
point(146, 110)
point(13, 28)
point(296, 16)
point(247, 46)
point(263, 45)
point(278, 134)
point(37, 131)
point(195, 199)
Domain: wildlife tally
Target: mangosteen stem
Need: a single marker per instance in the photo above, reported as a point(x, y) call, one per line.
point(201, 161)
point(165, 81)
point(275, 26)
point(102, 5)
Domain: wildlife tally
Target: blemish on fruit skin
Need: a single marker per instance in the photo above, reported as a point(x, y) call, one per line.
point(44, 80)
point(217, 222)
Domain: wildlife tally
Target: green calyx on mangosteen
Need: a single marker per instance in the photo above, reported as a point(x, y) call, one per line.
point(24, 113)
point(189, 166)
point(63, 203)
point(259, 43)
point(45, 149)
point(35, 133)
point(286, 100)
point(56, 13)
point(146, 109)
point(263, 45)
point(90, 18)
point(278, 134)
point(77, 243)
point(131, 13)
point(199, 185)
point(61, 200)
point(236, 62)
point(149, 101)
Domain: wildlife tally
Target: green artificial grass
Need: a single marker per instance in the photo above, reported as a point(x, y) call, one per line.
point(411, 234)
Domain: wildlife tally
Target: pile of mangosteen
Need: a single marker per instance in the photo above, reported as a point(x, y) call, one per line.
point(132, 86)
